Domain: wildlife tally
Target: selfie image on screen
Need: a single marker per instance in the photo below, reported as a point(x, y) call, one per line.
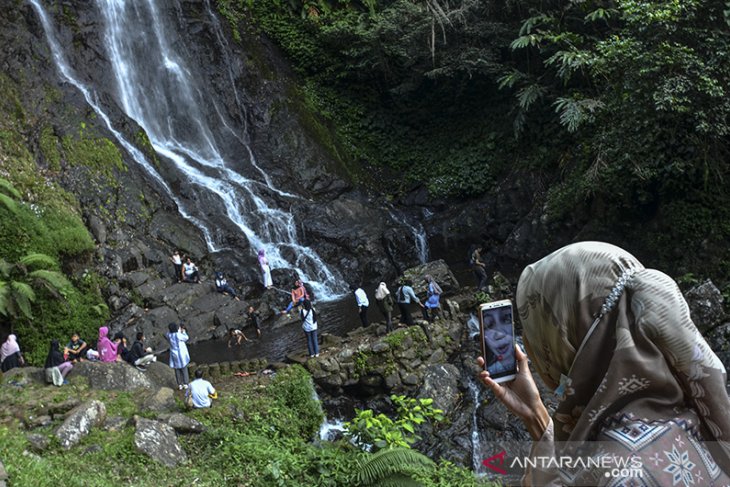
point(498, 340)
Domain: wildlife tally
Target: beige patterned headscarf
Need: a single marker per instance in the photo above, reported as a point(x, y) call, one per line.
point(644, 356)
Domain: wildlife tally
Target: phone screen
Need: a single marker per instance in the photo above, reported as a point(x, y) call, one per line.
point(498, 334)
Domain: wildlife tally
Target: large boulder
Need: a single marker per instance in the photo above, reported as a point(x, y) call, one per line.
point(440, 273)
point(117, 376)
point(161, 375)
point(441, 383)
point(22, 376)
point(705, 304)
point(158, 441)
point(161, 400)
point(79, 422)
point(185, 424)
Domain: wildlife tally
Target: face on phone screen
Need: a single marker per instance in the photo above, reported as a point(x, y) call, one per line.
point(499, 346)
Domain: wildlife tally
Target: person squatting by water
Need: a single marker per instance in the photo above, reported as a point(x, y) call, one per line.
point(362, 304)
point(222, 286)
point(265, 269)
point(384, 301)
point(628, 365)
point(404, 296)
point(201, 392)
point(432, 305)
point(177, 264)
point(298, 296)
point(177, 336)
point(309, 324)
point(235, 335)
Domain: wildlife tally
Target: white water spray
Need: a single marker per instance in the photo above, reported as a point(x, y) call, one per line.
point(164, 96)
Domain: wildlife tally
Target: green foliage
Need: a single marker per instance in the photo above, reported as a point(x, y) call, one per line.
point(97, 153)
point(392, 467)
point(380, 431)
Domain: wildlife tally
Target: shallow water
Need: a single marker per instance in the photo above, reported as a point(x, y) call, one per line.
point(334, 317)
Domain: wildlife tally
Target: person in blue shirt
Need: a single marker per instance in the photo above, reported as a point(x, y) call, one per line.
point(404, 296)
point(201, 392)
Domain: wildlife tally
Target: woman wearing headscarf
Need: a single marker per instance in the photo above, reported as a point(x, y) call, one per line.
point(107, 349)
point(56, 367)
point(265, 269)
point(10, 356)
point(385, 303)
point(179, 356)
point(630, 369)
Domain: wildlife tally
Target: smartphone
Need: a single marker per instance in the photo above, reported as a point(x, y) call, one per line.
point(498, 339)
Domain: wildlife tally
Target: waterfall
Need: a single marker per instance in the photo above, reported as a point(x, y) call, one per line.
point(475, 391)
point(200, 148)
point(420, 239)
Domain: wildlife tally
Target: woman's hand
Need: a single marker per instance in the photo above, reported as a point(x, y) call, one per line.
point(520, 396)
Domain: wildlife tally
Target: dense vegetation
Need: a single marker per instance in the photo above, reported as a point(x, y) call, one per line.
point(620, 107)
point(48, 287)
point(259, 433)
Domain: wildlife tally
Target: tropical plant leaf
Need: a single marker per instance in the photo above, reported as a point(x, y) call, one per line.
point(8, 203)
point(5, 302)
point(7, 188)
point(39, 261)
point(529, 95)
point(22, 296)
point(5, 268)
point(52, 280)
point(388, 462)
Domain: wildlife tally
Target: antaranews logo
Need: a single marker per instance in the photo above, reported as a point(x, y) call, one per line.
point(609, 465)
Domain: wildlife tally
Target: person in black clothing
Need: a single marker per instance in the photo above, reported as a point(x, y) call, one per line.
point(479, 268)
point(56, 367)
point(140, 356)
point(253, 318)
point(121, 342)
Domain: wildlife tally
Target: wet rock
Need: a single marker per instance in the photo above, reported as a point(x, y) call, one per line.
point(79, 422)
point(151, 292)
point(706, 305)
point(132, 280)
point(158, 441)
point(440, 273)
point(441, 383)
point(160, 400)
point(231, 314)
point(112, 376)
point(97, 229)
point(185, 424)
point(38, 442)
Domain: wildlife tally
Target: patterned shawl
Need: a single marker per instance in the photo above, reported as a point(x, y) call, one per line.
point(644, 359)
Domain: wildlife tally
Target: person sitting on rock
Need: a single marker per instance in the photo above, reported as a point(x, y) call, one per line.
point(75, 349)
point(107, 348)
point(56, 367)
point(122, 350)
point(10, 356)
point(201, 392)
point(255, 320)
point(190, 271)
point(139, 355)
point(298, 295)
point(222, 286)
point(237, 336)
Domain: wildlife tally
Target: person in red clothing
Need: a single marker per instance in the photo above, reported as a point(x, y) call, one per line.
point(298, 295)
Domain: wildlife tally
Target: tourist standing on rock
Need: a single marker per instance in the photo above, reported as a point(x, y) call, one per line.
point(255, 320)
point(75, 349)
point(139, 355)
point(177, 263)
point(433, 296)
point(479, 268)
point(362, 304)
point(309, 325)
point(222, 286)
point(107, 349)
point(10, 356)
point(298, 296)
point(404, 297)
point(56, 367)
point(201, 392)
point(265, 269)
point(179, 356)
point(190, 271)
point(384, 300)
point(633, 376)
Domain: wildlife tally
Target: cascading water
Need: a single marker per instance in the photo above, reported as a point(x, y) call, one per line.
point(420, 239)
point(166, 97)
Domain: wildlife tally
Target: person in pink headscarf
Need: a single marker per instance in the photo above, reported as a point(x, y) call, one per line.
point(107, 348)
point(264, 263)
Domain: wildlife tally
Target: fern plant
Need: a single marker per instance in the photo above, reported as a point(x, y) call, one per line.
point(392, 467)
point(18, 282)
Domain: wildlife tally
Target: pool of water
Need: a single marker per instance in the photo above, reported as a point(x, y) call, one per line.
point(277, 339)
